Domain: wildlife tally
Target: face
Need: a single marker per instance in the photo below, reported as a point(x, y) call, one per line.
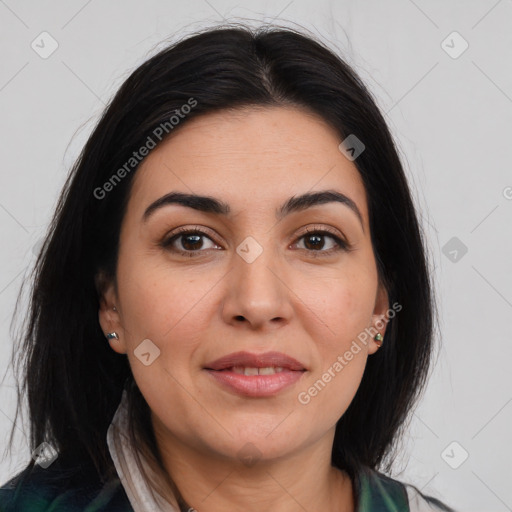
point(256, 273)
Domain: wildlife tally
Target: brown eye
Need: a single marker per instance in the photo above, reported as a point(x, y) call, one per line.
point(314, 242)
point(189, 242)
point(321, 241)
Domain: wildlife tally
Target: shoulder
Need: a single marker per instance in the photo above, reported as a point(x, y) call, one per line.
point(419, 502)
point(379, 492)
point(60, 487)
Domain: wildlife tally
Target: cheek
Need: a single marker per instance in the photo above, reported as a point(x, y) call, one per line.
point(340, 311)
point(348, 310)
point(340, 308)
point(159, 301)
point(342, 356)
point(161, 306)
point(331, 389)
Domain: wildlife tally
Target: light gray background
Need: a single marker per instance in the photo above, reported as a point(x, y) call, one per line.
point(452, 121)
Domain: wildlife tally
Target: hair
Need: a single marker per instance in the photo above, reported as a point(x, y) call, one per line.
point(72, 379)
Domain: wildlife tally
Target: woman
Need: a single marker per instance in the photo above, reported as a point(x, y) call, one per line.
point(232, 309)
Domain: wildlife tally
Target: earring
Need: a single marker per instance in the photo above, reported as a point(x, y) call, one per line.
point(112, 336)
point(114, 309)
point(378, 339)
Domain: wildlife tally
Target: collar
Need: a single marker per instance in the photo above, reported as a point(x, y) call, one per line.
point(143, 498)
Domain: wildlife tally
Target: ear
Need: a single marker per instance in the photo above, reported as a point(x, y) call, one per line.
point(379, 317)
point(109, 318)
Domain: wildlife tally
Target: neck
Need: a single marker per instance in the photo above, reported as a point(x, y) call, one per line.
point(301, 481)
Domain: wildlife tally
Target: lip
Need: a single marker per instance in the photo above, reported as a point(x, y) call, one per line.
point(249, 360)
point(256, 385)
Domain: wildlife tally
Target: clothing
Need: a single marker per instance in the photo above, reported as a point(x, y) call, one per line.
point(65, 486)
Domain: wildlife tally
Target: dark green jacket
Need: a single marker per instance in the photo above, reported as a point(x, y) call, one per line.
point(63, 487)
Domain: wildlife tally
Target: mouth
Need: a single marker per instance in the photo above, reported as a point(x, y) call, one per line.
point(244, 370)
point(246, 360)
point(256, 375)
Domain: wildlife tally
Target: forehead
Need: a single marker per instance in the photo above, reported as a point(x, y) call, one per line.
point(257, 156)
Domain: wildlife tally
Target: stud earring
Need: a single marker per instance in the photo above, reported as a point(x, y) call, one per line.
point(378, 339)
point(112, 336)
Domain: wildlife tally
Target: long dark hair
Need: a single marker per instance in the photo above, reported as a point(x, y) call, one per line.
point(72, 379)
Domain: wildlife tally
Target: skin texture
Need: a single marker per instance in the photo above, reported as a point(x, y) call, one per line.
point(197, 309)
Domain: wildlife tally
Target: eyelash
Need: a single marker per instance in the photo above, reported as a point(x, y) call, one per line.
point(341, 245)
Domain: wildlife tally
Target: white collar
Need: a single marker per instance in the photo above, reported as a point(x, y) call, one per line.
point(142, 497)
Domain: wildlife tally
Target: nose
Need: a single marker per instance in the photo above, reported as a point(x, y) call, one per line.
point(256, 294)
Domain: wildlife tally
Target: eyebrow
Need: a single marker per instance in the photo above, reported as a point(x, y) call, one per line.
point(209, 204)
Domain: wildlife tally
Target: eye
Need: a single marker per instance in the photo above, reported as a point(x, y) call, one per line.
point(189, 241)
point(192, 242)
point(315, 241)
